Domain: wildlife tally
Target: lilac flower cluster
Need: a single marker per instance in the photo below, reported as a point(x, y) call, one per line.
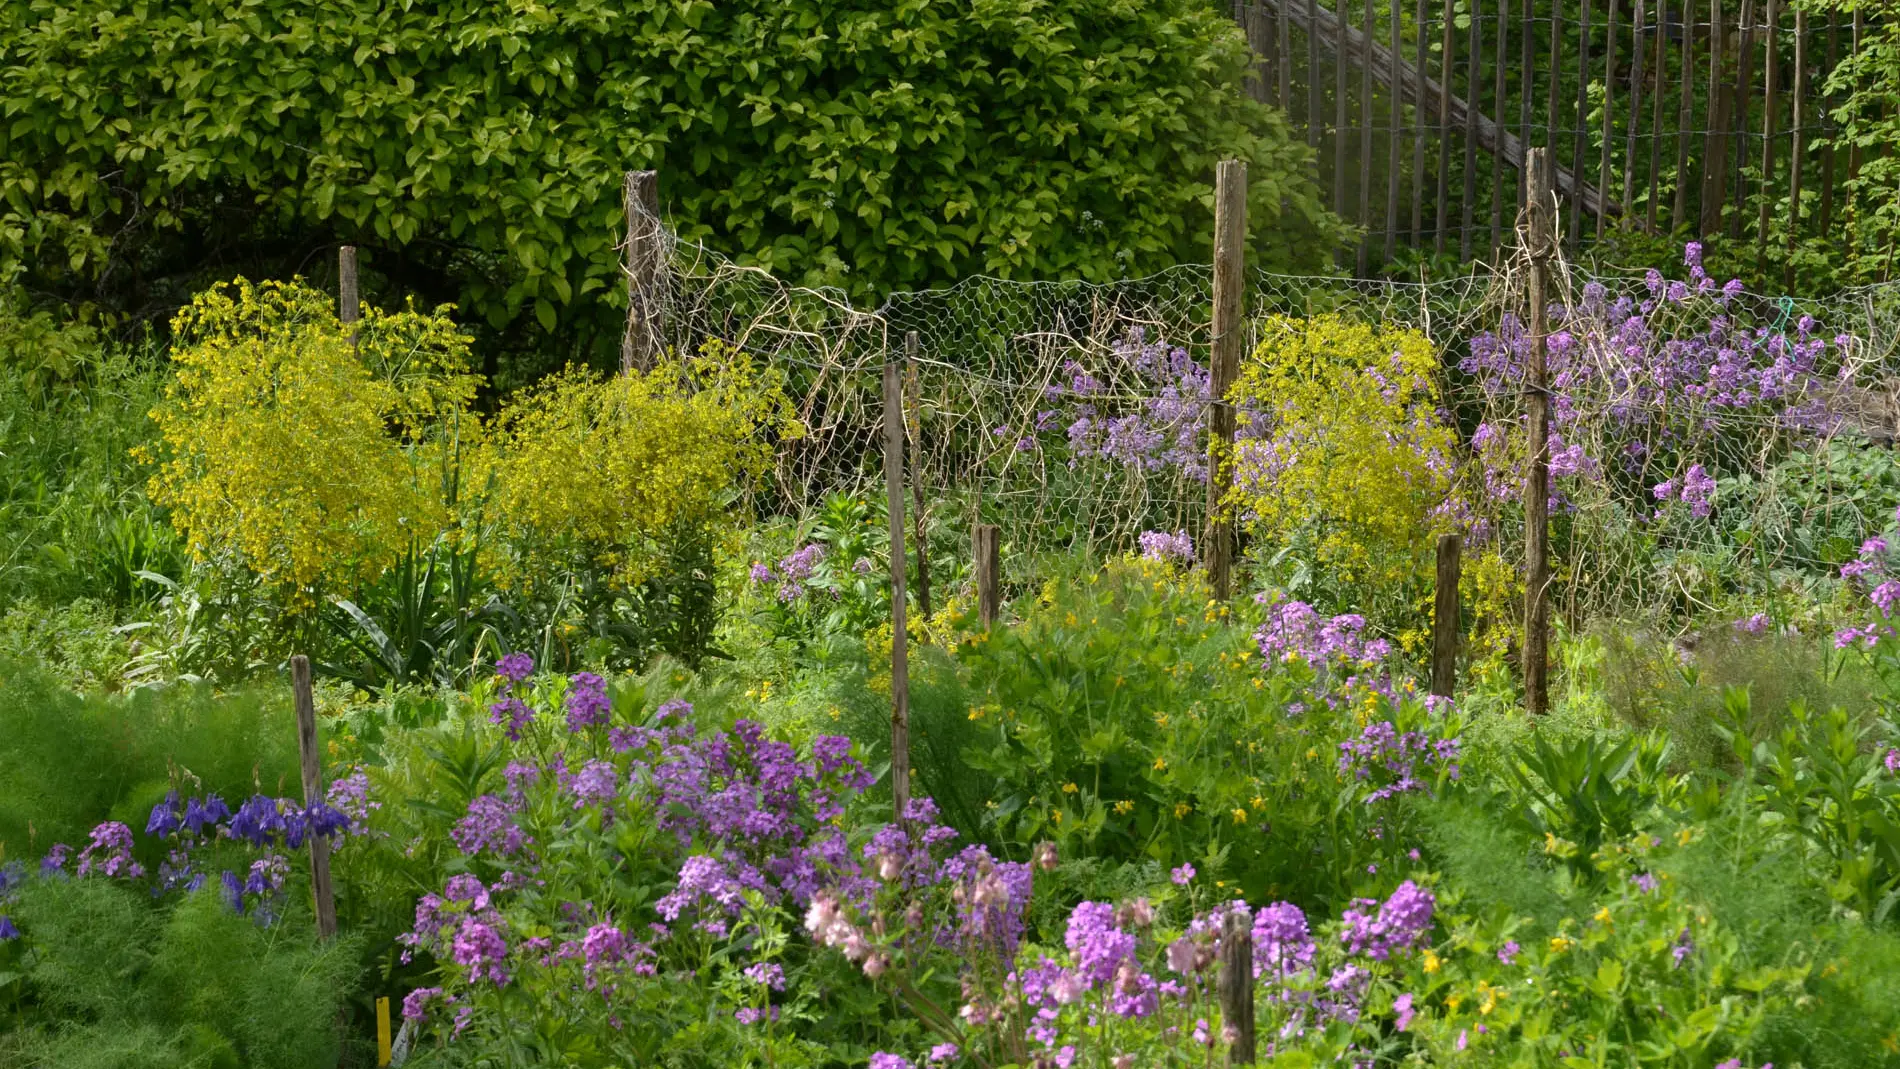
point(1395, 762)
point(793, 571)
point(587, 702)
point(509, 709)
point(1336, 647)
point(1164, 548)
point(1659, 369)
point(1166, 429)
point(1868, 571)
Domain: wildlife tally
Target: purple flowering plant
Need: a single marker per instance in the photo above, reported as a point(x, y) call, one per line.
point(834, 580)
point(619, 872)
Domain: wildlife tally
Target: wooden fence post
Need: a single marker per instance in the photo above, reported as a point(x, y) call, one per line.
point(383, 1052)
point(1446, 622)
point(306, 704)
point(1537, 478)
point(644, 342)
point(1230, 251)
point(900, 638)
point(1236, 988)
point(914, 426)
point(986, 550)
point(349, 299)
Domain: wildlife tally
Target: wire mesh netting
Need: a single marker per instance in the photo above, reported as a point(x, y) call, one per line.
point(1703, 439)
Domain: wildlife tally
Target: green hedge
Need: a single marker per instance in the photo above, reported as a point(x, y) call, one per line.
point(475, 148)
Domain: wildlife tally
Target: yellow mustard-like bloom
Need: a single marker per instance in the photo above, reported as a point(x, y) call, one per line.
point(1432, 961)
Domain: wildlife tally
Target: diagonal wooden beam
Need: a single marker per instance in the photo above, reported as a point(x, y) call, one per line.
point(1422, 91)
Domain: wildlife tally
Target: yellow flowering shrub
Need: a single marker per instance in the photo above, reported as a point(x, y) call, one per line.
point(308, 459)
point(600, 469)
point(1342, 457)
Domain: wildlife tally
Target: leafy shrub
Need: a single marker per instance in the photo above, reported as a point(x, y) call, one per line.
point(855, 144)
point(312, 453)
point(1345, 468)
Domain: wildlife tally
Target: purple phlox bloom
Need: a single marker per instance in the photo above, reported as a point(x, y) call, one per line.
point(587, 702)
point(110, 852)
point(515, 667)
point(1507, 953)
point(1402, 1011)
point(1182, 875)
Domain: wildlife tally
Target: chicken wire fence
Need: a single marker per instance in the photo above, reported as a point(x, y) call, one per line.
point(1698, 443)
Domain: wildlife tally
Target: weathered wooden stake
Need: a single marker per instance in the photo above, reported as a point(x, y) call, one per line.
point(306, 703)
point(1800, 146)
point(914, 428)
point(986, 549)
point(1537, 478)
point(644, 342)
point(1446, 623)
point(349, 298)
point(900, 653)
point(1230, 252)
point(1236, 988)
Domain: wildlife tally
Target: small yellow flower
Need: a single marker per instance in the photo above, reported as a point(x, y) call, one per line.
point(1490, 995)
point(1312, 753)
point(1602, 916)
point(1240, 816)
point(1560, 944)
point(1258, 802)
point(1069, 788)
point(1161, 720)
point(1431, 962)
point(1124, 807)
point(1056, 816)
point(1181, 809)
point(1683, 837)
point(1161, 763)
point(1452, 1002)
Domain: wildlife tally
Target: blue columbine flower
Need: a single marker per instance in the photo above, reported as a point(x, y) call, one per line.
point(202, 813)
point(164, 819)
point(320, 820)
point(233, 891)
point(7, 930)
point(257, 820)
point(12, 874)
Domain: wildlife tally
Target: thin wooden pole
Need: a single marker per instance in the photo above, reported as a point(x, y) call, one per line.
point(1418, 134)
point(986, 551)
point(1685, 115)
point(1800, 145)
point(1715, 148)
point(1498, 102)
point(1230, 250)
point(304, 698)
point(900, 637)
point(1656, 116)
point(1609, 111)
point(1446, 623)
point(1365, 136)
point(1637, 53)
point(1260, 38)
point(1744, 88)
point(1444, 126)
point(1770, 76)
point(1284, 69)
point(1581, 133)
point(1474, 71)
point(914, 428)
point(349, 298)
point(1852, 208)
point(644, 342)
point(1312, 83)
point(1392, 140)
point(1527, 88)
point(1339, 113)
point(1236, 988)
point(1555, 62)
point(1828, 129)
point(1537, 475)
